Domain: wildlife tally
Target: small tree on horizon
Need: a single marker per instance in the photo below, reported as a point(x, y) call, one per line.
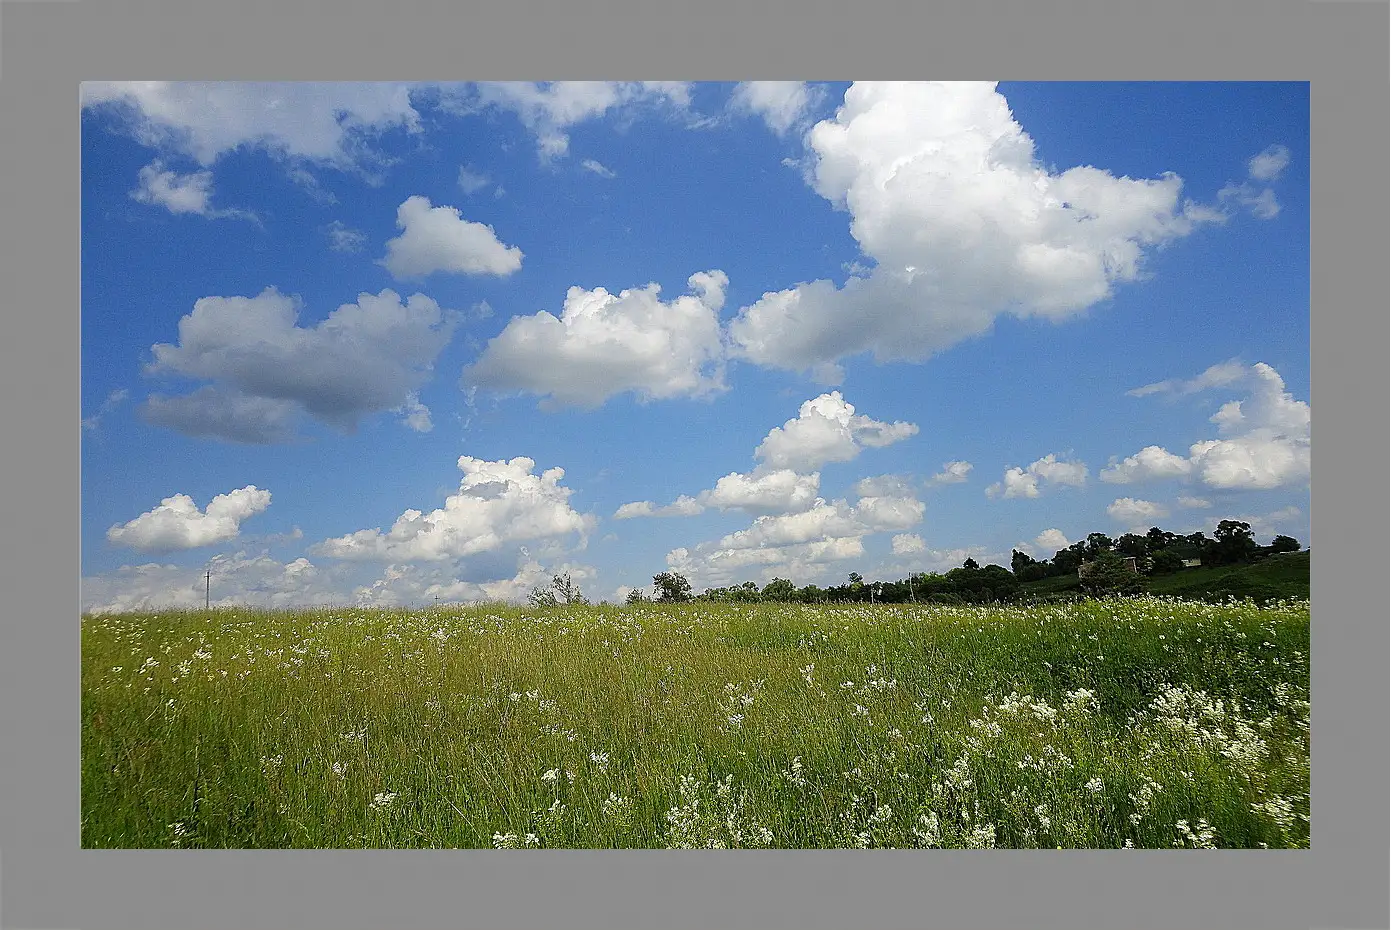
point(672, 587)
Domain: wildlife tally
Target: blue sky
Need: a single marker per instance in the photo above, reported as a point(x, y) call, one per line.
point(382, 343)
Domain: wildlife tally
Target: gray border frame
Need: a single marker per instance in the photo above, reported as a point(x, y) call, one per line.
point(47, 881)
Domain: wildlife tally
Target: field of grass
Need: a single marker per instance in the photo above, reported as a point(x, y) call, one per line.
point(1145, 722)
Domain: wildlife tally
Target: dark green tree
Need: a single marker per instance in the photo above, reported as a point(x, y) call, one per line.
point(1284, 544)
point(1233, 542)
point(970, 564)
point(1107, 574)
point(672, 587)
point(1165, 562)
point(779, 589)
point(1018, 561)
point(1097, 543)
point(1131, 544)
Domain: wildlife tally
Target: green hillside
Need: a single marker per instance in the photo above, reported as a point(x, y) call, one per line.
point(1279, 576)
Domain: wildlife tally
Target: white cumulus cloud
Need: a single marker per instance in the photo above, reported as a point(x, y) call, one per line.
point(1265, 437)
point(1150, 462)
point(1050, 541)
point(764, 492)
point(827, 429)
point(498, 503)
point(1133, 512)
point(606, 344)
point(962, 223)
point(1024, 482)
point(177, 523)
point(439, 239)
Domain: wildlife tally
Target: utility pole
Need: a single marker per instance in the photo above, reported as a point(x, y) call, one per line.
point(207, 588)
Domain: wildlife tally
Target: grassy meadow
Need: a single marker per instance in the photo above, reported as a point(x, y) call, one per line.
point(1145, 722)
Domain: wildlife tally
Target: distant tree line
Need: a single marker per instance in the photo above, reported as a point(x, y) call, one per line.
point(1156, 553)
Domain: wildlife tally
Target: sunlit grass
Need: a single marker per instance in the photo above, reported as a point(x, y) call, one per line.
point(1145, 722)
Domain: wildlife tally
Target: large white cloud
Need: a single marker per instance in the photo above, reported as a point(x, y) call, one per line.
point(438, 239)
point(177, 523)
point(1265, 438)
point(330, 123)
point(606, 344)
point(963, 224)
point(366, 357)
point(827, 429)
point(498, 503)
point(1024, 482)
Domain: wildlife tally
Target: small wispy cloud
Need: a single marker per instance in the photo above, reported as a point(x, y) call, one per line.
point(471, 181)
point(1263, 168)
point(182, 193)
point(113, 400)
point(1268, 165)
point(952, 473)
point(591, 165)
point(343, 238)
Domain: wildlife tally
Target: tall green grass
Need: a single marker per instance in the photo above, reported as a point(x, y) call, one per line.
point(1147, 722)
